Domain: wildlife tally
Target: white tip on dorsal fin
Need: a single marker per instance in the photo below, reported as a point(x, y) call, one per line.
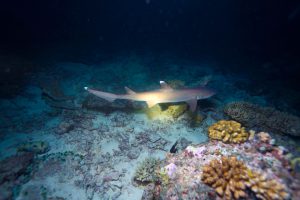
point(164, 85)
point(129, 91)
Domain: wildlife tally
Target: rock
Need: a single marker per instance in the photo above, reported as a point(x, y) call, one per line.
point(148, 192)
point(6, 191)
point(154, 138)
point(12, 170)
point(182, 144)
point(133, 154)
point(38, 147)
point(14, 166)
point(116, 195)
point(262, 149)
point(272, 142)
point(113, 176)
point(64, 127)
point(118, 184)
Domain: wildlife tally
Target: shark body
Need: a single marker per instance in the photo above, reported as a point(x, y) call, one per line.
point(164, 95)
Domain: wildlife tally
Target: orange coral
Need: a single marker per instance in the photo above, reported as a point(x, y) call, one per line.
point(228, 131)
point(227, 177)
point(230, 178)
point(265, 189)
point(264, 137)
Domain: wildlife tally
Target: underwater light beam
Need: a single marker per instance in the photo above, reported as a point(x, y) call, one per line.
point(164, 95)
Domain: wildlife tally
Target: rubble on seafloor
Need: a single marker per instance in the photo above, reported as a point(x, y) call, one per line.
point(201, 172)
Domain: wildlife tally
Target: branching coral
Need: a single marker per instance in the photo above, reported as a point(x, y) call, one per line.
point(265, 189)
point(264, 117)
point(230, 178)
point(228, 131)
point(227, 177)
point(146, 171)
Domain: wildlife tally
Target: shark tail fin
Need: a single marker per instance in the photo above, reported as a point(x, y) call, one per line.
point(104, 95)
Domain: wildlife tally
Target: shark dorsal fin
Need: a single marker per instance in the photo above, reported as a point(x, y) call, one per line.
point(165, 86)
point(129, 91)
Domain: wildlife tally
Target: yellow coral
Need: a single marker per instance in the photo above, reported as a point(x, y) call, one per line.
point(228, 131)
point(231, 178)
point(172, 111)
point(227, 177)
point(265, 189)
point(196, 119)
point(295, 162)
point(163, 176)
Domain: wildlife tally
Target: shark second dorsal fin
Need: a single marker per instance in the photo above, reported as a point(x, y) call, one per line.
point(129, 91)
point(165, 86)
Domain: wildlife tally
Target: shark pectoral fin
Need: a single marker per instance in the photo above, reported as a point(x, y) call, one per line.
point(165, 86)
point(104, 95)
point(129, 91)
point(151, 103)
point(193, 104)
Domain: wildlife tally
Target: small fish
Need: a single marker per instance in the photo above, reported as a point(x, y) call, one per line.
point(173, 148)
point(164, 95)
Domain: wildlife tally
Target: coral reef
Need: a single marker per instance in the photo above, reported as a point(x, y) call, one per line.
point(265, 118)
point(230, 178)
point(163, 176)
point(265, 189)
point(295, 163)
point(146, 172)
point(228, 131)
point(38, 147)
point(171, 112)
point(194, 151)
point(227, 176)
point(231, 170)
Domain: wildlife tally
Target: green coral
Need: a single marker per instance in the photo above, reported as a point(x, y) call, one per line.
point(163, 176)
point(295, 162)
point(146, 171)
point(38, 147)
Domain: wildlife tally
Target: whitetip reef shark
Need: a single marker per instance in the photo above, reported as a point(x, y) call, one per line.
point(164, 95)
